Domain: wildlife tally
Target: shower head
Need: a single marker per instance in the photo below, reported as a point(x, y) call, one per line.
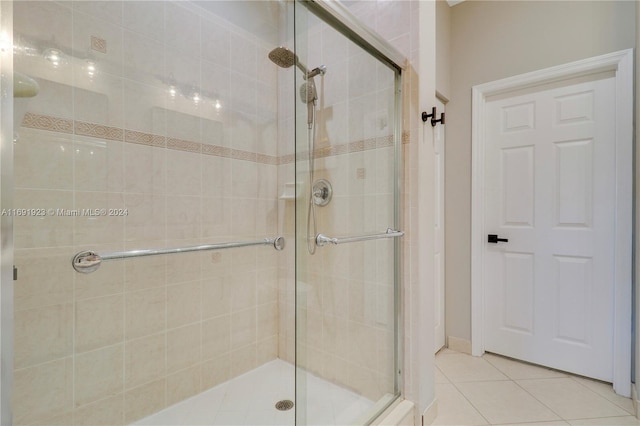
point(284, 58)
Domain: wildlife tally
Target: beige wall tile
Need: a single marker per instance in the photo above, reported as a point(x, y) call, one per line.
point(100, 229)
point(184, 175)
point(145, 312)
point(243, 223)
point(243, 360)
point(144, 166)
point(144, 400)
point(98, 165)
point(216, 216)
point(183, 304)
point(266, 350)
point(42, 334)
point(183, 347)
point(98, 374)
point(267, 285)
point(49, 153)
point(145, 360)
point(43, 391)
point(243, 328)
point(216, 296)
point(50, 283)
point(216, 371)
point(243, 290)
point(99, 322)
point(146, 217)
point(267, 320)
point(216, 337)
point(183, 267)
point(49, 231)
point(183, 217)
point(145, 272)
point(106, 412)
point(65, 419)
point(183, 384)
point(110, 280)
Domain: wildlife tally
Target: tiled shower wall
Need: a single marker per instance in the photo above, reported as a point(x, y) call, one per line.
point(168, 114)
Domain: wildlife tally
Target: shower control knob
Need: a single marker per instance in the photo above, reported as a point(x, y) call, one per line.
point(322, 192)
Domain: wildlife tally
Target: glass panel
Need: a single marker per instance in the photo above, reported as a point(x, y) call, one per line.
point(155, 125)
point(346, 312)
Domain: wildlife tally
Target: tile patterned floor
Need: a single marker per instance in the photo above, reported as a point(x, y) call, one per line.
point(493, 390)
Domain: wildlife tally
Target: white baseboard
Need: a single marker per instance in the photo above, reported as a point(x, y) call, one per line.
point(430, 414)
point(459, 345)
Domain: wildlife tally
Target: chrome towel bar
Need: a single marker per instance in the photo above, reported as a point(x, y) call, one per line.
point(89, 261)
point(323, 240)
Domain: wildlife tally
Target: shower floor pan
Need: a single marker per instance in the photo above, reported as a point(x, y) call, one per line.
point(250, 399)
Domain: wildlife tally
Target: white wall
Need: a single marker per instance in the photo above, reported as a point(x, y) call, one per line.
point(443, 48)
point(493, 40)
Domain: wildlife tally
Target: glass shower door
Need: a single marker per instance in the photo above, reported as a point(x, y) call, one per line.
point(346, 229)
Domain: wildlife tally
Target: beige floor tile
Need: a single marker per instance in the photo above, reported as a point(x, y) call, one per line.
point(505, 402)
point(441, 378)
point(446, 351)
point(454, 409)
point(607, 421)
point(516, 370)
point(552, 423)
point(464, 368)
point(606, 390)
point(571, 400)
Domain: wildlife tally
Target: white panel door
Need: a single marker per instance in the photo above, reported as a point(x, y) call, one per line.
point(438, 261)
point(550, 190)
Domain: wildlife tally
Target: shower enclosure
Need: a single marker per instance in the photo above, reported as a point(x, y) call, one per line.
point(200, 204)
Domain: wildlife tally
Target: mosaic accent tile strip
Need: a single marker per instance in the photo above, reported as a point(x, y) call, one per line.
point(385, 141)
point(286, 159)
point(144, 138)
point(45, 122)
point(237, 154)
point(98, 131)
point(356, 146)
point(370, 144)
point(183, 145)
point(218, 151)
point(62, 125)
point(267, 159)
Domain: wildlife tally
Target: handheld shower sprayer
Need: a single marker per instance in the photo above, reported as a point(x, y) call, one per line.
point(284, 58)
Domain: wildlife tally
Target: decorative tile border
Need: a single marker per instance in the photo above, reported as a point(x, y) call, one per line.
point(98, 131)
point(62, 125)
point(140, 138)
point(45, 122)
point(183, 145)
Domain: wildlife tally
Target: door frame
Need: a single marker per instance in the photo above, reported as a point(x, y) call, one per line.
point(621, 63)
point(441, 301)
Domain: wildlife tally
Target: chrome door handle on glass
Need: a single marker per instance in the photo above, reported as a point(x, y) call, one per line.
point(323, 240)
